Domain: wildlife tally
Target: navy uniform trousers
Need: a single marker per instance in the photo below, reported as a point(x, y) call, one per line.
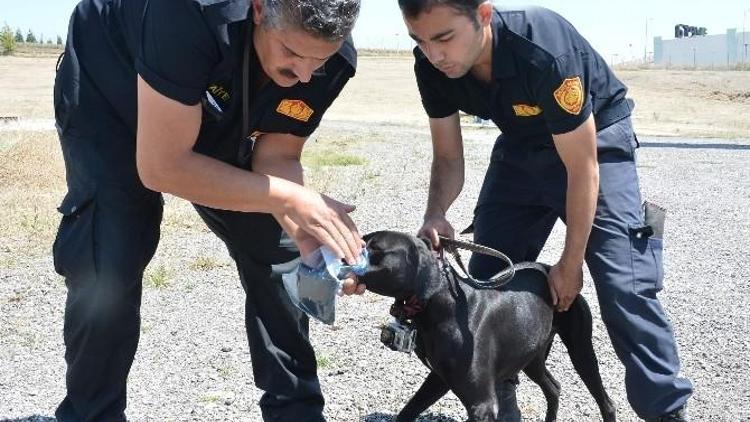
point(108, 234)
point(522, 197)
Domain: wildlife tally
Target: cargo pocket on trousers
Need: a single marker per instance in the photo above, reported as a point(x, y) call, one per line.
point(73, 250)
point(648, 270)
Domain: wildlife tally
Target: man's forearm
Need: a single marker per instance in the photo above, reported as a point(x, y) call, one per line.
point(212, 183)
point(288, 169)
point(582, 194)
point(446, 182)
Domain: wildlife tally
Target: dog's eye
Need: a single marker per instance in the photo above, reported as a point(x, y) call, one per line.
point(376, 257)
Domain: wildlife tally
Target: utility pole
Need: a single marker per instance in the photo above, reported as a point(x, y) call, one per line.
point(744, 38)
point(695, 64)
point(645, 44)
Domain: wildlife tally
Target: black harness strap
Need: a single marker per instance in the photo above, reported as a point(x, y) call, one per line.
point(496, 281)
point(246, 140)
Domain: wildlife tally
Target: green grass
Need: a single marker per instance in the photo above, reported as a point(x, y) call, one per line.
point(370, 176)
point(8, 262)
point(158, 277)
point(328, 158)
point(225, 372)
point(323, 361)
point(205, 263)
point(211, 398)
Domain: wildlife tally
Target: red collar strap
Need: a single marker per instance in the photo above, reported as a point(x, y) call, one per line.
point(407, 308)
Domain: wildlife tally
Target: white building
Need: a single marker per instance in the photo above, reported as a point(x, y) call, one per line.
point(726, 50)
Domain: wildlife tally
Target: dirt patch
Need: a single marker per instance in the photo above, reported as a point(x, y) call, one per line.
point(738, 97)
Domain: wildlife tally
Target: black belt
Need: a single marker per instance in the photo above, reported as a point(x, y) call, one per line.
point(614, 113)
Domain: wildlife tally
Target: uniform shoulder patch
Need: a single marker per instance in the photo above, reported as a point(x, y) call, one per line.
point(296, 109)
point(525, 110)
point(570, 95)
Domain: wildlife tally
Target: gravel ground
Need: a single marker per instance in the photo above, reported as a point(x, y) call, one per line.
point(193, 362)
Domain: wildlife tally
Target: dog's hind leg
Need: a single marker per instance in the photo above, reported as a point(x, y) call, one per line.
point(537, 371)
point(432, 389)
point(574, 328)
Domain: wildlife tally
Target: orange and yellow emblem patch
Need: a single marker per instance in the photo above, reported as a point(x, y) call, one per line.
point(296, 109)
point(524, 110)
point(570, 95)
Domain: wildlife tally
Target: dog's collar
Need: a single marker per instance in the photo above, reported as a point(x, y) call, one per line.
point(411, 306)
point(407, 308)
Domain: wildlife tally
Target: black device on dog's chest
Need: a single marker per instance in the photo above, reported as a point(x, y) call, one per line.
point(399, 336)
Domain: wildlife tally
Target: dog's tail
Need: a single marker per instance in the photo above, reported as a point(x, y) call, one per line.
point(575, 330)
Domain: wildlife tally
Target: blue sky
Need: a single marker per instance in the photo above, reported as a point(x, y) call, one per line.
point(613, 29)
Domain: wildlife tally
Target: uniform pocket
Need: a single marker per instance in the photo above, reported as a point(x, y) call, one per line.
point(73, 250)
point(616, 141)
point(648, 270)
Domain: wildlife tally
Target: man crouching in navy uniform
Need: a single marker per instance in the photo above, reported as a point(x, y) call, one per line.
point(567, 151)
point(211, 101)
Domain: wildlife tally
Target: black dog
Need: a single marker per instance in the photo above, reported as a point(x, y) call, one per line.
point(471, 339)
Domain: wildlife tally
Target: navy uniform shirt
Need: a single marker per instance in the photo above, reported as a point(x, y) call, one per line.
point(546, 79)
point(190, 51)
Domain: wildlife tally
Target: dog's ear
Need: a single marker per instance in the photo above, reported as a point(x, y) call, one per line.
point(428, 280)
point(369, 236)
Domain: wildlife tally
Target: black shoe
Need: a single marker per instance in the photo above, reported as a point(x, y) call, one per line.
point(679, 415)
point(508, 411)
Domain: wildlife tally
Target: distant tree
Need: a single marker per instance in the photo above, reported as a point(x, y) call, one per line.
point(41, 39)
point(59, 40)
point(49, 41)
point(19, 35)
point(30, 38)
point(7, 40)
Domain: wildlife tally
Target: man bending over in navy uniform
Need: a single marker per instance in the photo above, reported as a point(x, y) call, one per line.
point(567, 151)
point(211, 101)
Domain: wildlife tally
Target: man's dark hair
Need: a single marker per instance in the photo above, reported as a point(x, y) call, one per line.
point(412, 8)
point(331, 20)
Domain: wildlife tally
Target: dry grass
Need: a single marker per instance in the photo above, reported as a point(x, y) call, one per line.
point(38, 50)
point(26, 85)
point(669, 102)
point(206, 263)
point(32, 184)
point(690, 103)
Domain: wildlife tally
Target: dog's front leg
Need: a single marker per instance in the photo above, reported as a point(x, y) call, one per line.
point(485, 411)
point(479, 398)
point(432, 389)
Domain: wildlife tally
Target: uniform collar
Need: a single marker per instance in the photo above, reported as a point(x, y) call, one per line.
point(503, 62)
point(349, 52)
